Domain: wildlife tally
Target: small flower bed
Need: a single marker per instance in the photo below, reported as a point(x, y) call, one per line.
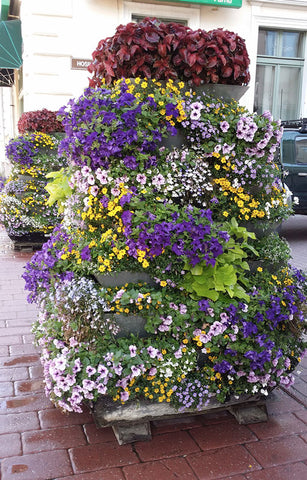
point(212, 327)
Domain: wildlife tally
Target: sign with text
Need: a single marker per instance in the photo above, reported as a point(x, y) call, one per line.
point(80, 63)
point(216, 3)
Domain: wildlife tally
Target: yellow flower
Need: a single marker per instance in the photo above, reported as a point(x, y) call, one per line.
point(259, 269)
point(163, 283)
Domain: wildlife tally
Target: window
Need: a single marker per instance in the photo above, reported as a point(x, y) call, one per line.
point(189, 15)
point(280, 64)
point(139, 18)
point(301, 150)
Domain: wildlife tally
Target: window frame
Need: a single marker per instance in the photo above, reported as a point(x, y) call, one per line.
point(277, 62)
point(190, 14)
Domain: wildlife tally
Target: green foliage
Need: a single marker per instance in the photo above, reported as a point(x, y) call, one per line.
point(227, 276)
point(59, 188)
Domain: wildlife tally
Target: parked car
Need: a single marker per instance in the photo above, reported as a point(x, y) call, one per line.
point(293, 157)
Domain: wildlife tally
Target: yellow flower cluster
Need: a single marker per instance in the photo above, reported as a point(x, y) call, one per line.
point(159, 390)
point(97, 218)
point(34, 171)
point(42, 140)
point(248, 206)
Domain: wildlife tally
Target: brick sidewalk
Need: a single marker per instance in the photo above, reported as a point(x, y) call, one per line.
point(37, 442)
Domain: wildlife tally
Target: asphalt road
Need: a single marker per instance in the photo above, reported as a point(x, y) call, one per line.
point(294, 230)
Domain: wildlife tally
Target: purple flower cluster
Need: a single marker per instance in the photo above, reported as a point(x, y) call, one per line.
point(39, 270)
point(117, 128)
point(192, 239)
point(193, 393)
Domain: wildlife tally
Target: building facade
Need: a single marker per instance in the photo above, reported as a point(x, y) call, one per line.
point(59, 37)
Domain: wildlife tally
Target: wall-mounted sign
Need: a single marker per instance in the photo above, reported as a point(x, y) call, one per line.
point(80, 63)
point(216, 3)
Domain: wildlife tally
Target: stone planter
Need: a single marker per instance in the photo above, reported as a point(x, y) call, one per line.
point(129, 324)
point(32, 241)
point(121, 278)
point(262, 228)
point(131, 422)
point(221, 91)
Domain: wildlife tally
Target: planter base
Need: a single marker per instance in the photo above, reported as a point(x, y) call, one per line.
point(131, 422)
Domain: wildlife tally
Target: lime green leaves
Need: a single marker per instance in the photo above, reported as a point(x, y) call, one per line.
point(227, 275)
point(59, 188)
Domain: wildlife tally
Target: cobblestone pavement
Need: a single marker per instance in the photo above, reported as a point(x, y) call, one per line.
point(37, 442)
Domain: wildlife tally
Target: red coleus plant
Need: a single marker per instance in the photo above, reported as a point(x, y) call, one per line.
point(159, 50)
point(39, 120)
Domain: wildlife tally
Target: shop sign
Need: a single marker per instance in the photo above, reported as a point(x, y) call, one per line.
point(80, 63)
point(216, 3)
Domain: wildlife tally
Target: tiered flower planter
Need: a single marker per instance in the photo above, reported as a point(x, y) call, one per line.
point(30, 221)
point(148, 306)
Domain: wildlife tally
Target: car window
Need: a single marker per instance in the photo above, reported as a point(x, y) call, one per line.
point(301, 150)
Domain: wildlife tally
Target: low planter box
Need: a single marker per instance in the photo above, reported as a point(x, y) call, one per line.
point(131, 422)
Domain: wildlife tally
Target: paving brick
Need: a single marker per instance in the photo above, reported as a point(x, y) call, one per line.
point(6, 389)
point(222, 435)
point(15, 307)
point(18, 422)
point(109, 474)
point(28, 338)
point(304, 437)
point(20, 360)
point(281, 402)
point(28, 386)
point(167, 445)
point(302, 415)
point(39, 466)
point(10, 445)
point(25, 403)
point(294, 471)
point(300, 386)
point(17, 330)
point(98, 457)
point(235, 477)
point(221, 463)
point(10, 339)
point(53, 417)
point(98, 435)
point(4, 350)
point(22, 319)
point(52, 439)
point(36, 371)
point(170, 469)
point(278, 451)
point(278, 425)
point(25, 349)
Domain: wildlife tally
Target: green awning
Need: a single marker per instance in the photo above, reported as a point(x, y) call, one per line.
point(5, 7)
point(10, 44)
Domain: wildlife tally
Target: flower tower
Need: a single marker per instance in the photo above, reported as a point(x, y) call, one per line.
point(33, 154)
point(150, 301)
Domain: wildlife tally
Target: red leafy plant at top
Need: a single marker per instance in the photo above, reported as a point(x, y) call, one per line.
point(39, 120)
point(164, 51)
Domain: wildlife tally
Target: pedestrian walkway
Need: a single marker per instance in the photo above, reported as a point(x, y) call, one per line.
point(38, 442)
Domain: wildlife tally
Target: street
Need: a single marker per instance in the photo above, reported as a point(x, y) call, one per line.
point(295, 231)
